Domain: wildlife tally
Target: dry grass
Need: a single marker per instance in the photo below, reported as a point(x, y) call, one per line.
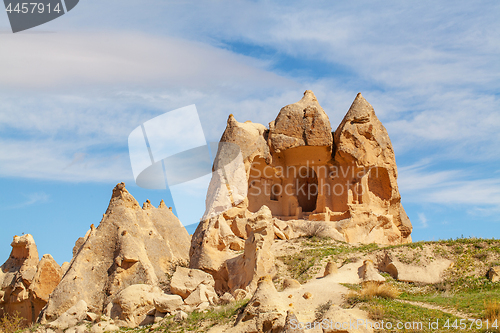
point(371, 290)
point(11, 323)
point(375, 289)
point(492, 312)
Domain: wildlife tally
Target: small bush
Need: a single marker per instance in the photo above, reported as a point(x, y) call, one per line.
point(11, 323)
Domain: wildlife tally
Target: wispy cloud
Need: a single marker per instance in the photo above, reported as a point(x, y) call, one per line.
point(423, 221)
point(31, 199)
point(421, 183)
point(123, 59)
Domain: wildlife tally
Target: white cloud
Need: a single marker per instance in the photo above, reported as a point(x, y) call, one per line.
point(79, 60)
point(423, 220)
point(56, 160)
point(31, 199)
point(450, 187)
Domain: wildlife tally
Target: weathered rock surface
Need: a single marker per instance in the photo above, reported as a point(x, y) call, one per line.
point(202, 294)
point(185, 281)
point(168, 303)
point(304, 123)
point(101, 327)
point(133, 304)
point(363, 147)
point(257, 260)
point(70, 317)
point(25, 282)
point(265, 312)
point(290, 283)
point(270, 311)
point(213, 251)
point(132, 245)
point(330, 268)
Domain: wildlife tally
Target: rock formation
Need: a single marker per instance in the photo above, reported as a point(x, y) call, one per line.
point(131, 245)
point(256, 261)
point(25, 282)
point(369, 273)
point(303, 180)
point(266, 311)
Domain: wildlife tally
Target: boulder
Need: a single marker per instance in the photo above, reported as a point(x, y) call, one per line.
point(494, 274)
point(265, 311)
point(186, 280)
point(202, 294)
point(131, 245)
point(369, 273)
point(168, 303)
point(70, 317)
point(180, 316)
point(240, 294)
point(226, 298)
point(291, 283)
point(132, 305)
point(331, 268)
point(25, 282)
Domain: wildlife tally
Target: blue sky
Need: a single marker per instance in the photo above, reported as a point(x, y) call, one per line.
point(72, 90)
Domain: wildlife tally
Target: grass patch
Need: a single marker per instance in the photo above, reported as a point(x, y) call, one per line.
point(492, 312)
point(301, 265)
point(202, 321)
point(415, 318)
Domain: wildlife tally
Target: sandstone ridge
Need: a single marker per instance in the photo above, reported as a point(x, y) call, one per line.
point(131, 245)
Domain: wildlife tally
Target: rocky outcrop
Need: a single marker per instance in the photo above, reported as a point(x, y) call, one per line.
point(131, 245)
point(312, 182)
point(363, 148)
point(25, 282)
